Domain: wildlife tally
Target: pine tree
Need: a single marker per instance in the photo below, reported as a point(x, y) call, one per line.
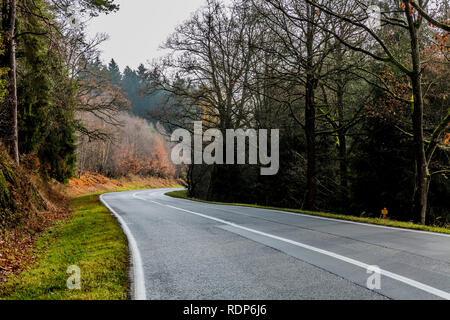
point(114, 71)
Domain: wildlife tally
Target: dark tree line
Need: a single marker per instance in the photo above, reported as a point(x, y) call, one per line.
point(363, 111)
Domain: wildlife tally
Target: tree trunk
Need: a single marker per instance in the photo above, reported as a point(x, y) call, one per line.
point(342, 148)
point(310, 119)
point(310, 132)
point(12, 138)
point(343, 167)
point(422, 174)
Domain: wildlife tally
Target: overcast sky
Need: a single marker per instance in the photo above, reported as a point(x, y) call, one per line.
point(139, 28)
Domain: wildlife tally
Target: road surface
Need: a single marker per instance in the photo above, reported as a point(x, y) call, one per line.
point(189, 250)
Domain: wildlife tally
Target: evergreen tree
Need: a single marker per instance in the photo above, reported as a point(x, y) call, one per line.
point(114, 71)
point(130, 85)
point(45, 105)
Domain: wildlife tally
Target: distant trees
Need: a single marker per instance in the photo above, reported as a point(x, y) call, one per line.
point(143, 98)
point(110, 139)
point(115, 77)
point(134, 147)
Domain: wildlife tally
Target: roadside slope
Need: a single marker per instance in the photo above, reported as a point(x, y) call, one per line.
point(90, 239)
point(87, 236)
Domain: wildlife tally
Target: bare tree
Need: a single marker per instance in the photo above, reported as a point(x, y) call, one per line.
point(302, 49)
point(403, 17)
point(133, 148)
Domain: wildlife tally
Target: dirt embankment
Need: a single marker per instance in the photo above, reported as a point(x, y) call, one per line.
point(28, 207)
point(94, 182)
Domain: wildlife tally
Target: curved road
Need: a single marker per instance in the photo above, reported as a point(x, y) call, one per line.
point(189, 250)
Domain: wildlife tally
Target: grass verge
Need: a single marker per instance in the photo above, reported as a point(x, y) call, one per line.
point(90, 239)
point(182, 194)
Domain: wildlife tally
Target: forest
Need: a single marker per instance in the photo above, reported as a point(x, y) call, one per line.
point(362, 108)
point(358, 90)
point(63, 111)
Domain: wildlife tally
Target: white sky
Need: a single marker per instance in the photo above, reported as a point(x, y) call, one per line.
point(138, 29)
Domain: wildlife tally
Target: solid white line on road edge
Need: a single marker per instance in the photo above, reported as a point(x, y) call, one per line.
point(280, 211)
point(410, 282)
point(430, 233)
point(138, 269)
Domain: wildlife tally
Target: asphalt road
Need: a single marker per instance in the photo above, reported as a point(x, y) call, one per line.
point(189, 250)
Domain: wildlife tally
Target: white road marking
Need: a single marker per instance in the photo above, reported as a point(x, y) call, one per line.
point(408, 281)
point(359, 223)
point(430, 233)
point(143, 199)
point(138, 269)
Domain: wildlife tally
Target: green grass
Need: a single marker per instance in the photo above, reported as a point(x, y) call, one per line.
point(391, 223)
point(90, 239)
point(132, 186)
